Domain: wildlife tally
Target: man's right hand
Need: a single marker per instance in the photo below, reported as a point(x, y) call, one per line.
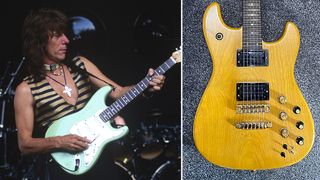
point(72, 142)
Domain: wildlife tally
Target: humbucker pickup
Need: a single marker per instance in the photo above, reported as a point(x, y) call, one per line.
point(252, 91)
point(252, 58)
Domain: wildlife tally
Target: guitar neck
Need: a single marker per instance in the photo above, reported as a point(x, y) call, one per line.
point(135, 91)
point(252, 40)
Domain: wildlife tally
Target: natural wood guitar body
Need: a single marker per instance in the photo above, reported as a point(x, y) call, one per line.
point(215, 133)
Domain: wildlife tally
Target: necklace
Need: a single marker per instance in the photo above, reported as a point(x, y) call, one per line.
point(52, 68)
point(67, 90)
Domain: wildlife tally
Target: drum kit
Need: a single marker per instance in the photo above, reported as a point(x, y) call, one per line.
point(152, 151)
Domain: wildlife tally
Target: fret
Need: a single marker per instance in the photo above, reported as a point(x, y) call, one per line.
point(143, 84)
point(250, 10)
point(117, 105)
point(109, 114)
point(121, 102)
point(132, 92)
point(250, 15)
point(125, 99)
point(252, 43)
point(112, 109)
point(140, 84)
point(162, 69)
point(157, 71)
point(103, 117)
point(129, 96)
point(167, 64)
point(136, 90)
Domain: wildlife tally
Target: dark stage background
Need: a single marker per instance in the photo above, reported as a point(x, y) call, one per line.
point(125, 40)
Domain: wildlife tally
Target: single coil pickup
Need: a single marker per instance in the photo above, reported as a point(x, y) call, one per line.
point(247, 58)
point(252, 91)
point(252, 108)
point(253, 125)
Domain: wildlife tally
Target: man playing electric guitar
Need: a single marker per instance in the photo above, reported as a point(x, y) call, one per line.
point(54, 90)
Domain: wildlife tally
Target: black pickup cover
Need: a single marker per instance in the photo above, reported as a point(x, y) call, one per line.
point(252, 91)
point(252, 58)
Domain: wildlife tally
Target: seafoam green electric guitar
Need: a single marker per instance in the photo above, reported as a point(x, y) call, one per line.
point(93, 122)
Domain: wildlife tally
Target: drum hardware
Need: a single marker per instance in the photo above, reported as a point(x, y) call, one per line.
point(151, 152)
point(158, 172)
point(7, 168)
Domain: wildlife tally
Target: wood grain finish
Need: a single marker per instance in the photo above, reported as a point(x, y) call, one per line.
point(215, 134)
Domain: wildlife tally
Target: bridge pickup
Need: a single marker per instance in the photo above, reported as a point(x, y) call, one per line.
point(252, 91)
point(254, 125)
point(247, 58)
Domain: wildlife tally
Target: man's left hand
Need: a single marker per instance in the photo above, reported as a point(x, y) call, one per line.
point(156, 82)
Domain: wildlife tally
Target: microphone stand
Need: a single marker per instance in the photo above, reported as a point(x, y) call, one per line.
point(4, 98)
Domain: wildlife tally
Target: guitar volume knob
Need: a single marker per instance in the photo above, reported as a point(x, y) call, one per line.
point(282, 99)
point(284, 133)
point(283, 116)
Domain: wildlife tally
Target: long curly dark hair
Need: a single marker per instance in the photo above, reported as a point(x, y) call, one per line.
point(36, 31)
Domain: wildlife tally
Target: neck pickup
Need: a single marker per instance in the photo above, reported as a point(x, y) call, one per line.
point(247, 58)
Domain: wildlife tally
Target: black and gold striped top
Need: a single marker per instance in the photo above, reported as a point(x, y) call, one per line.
point(49, 105)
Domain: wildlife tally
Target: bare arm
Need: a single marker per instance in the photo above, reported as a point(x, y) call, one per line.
point(24, 114)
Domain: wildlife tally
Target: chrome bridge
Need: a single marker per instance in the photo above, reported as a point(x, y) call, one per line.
point(253, 125)
point(252, 108)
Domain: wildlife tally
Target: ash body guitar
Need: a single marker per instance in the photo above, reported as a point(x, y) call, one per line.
point(93, 122)
point(252, 115)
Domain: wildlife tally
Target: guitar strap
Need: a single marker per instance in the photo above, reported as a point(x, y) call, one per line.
point(84, 71)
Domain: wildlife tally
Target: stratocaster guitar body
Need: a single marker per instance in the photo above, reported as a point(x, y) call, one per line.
point(86, 123)
point(252, 115)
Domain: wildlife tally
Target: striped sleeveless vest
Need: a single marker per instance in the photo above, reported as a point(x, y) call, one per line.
point(50, 106)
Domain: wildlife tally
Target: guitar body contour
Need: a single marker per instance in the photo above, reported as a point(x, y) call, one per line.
point(215, 129)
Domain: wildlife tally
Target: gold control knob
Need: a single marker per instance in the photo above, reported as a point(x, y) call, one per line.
point(284, 132)
point(283, 116)
point(282, 99)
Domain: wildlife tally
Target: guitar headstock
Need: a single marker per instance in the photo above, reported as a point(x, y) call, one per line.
point(177, 55)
